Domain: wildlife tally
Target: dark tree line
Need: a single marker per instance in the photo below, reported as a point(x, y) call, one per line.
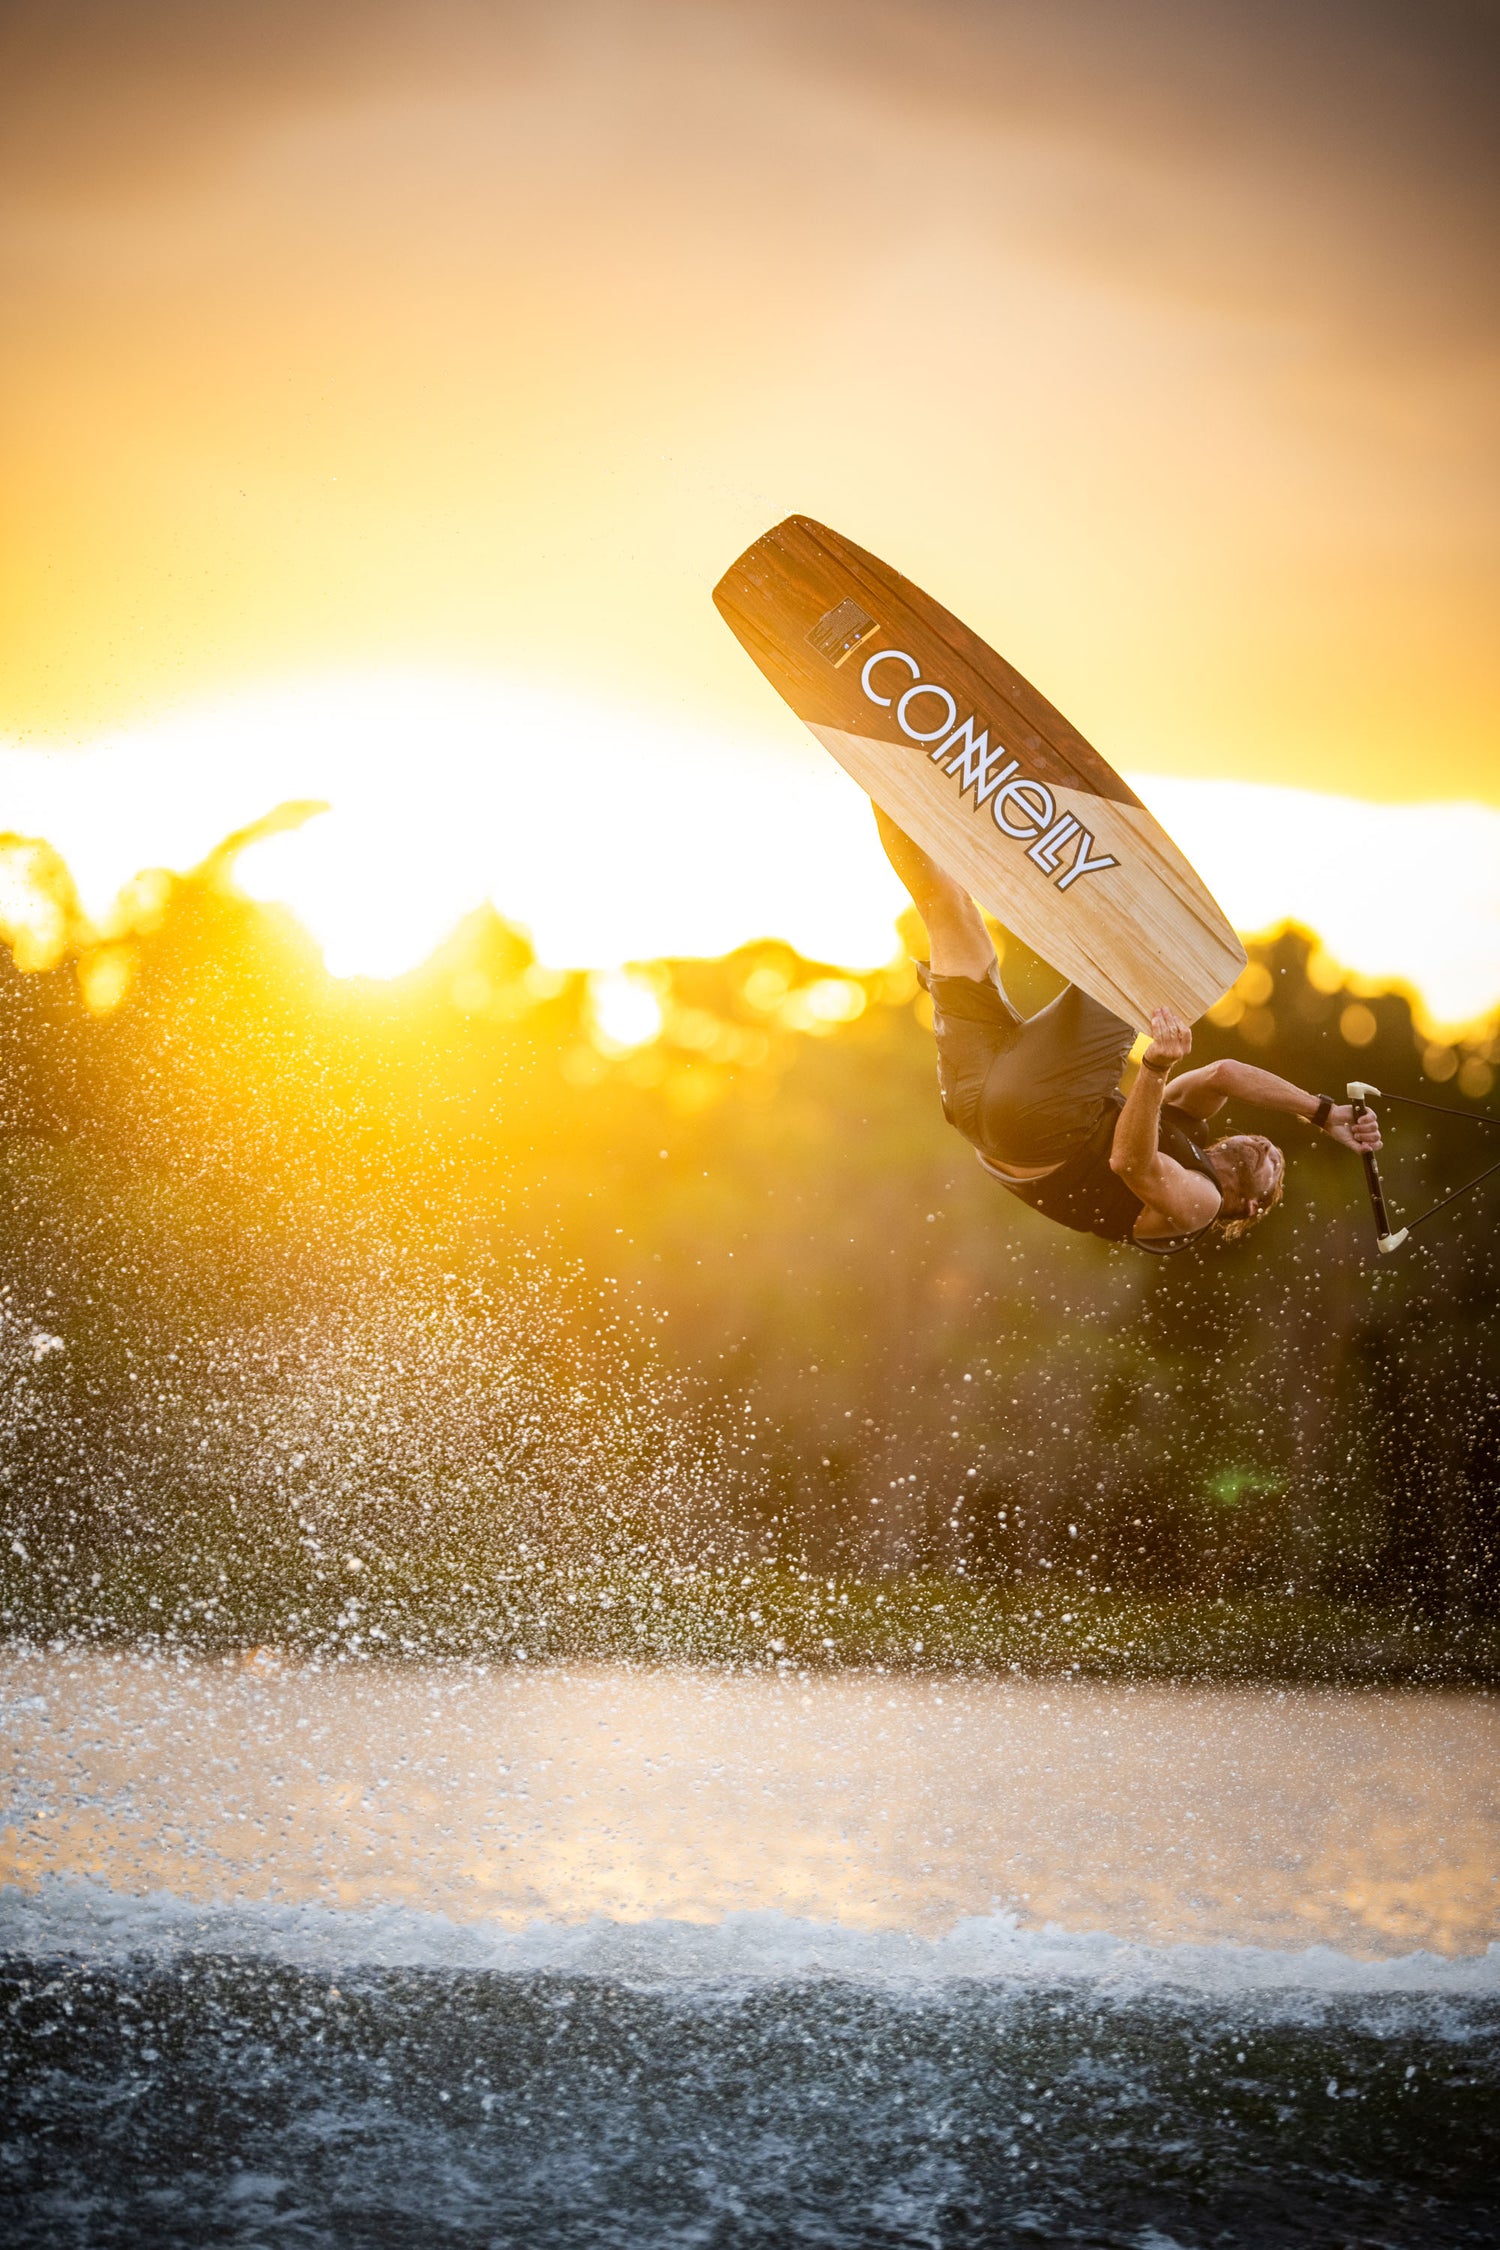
point(284, 1258)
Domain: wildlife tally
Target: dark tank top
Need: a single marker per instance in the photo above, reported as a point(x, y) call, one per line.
point(1085, 1194)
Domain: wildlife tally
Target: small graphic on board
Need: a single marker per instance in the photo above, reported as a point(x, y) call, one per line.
point(844, 629)
point(981, 770)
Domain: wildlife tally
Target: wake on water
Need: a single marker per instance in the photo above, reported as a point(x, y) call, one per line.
point(278, 2073)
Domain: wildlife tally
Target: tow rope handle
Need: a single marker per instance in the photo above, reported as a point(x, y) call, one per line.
point(1361, 1096)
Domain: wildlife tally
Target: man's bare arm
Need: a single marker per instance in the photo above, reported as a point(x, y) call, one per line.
point(1203, 1093)
point(1188, 1200)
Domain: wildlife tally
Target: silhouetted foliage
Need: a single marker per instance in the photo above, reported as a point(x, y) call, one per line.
point(738, 1291)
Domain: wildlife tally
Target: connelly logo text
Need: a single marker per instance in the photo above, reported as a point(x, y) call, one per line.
point(1020, 805)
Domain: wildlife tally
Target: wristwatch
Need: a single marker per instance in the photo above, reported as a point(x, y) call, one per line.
point(1320, 1116)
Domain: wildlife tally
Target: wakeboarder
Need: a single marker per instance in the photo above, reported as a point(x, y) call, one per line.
point(1038, 1097)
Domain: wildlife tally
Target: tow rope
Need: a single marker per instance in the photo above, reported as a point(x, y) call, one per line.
point(1361, 1096)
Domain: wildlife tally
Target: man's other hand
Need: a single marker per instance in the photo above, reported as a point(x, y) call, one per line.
point(1359, 1133)
point(1171, 1040)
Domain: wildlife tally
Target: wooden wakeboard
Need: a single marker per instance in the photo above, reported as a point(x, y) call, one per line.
point(965, 755)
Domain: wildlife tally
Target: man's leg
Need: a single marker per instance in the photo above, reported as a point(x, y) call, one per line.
point(955, 928)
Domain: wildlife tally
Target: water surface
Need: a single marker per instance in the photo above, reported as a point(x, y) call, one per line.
point(369, 1956)
point(1369, 1821)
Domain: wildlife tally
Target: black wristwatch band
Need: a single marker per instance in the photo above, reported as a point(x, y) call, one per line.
point(1322, 1113)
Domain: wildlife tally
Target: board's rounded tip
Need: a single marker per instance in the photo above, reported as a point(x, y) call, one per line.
point(796, 529)
point(791, 531)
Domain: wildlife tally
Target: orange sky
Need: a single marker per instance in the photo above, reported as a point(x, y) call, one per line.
point(1157, 339)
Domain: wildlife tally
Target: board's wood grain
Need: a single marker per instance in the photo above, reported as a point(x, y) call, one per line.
point(999, 788)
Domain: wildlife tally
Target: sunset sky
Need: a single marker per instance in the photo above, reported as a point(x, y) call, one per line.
point(384, 386)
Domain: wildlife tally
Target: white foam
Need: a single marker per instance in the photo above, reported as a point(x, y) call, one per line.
point(90, 1921)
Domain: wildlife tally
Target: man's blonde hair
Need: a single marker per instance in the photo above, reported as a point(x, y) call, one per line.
point(1242, 1170)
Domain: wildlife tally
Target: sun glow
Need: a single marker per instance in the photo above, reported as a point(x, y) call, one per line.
point(615, 837)
point(626, 1011)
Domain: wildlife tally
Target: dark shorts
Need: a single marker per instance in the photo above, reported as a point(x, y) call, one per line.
point(1024, 1089)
